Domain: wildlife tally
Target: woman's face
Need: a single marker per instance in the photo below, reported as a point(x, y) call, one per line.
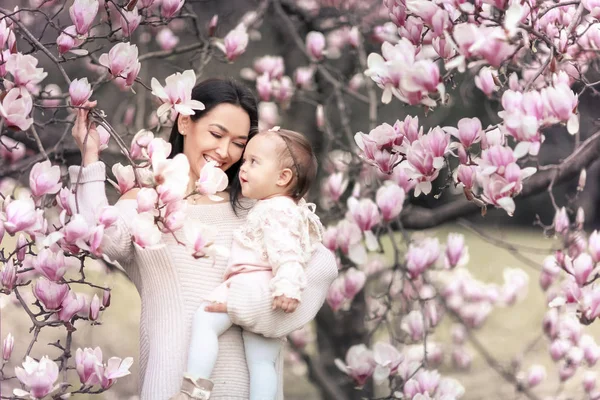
point(218, 136)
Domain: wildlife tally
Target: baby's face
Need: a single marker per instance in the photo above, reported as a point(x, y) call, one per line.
point(261, 172)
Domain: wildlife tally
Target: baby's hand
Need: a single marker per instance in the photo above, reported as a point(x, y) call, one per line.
point(285, 303)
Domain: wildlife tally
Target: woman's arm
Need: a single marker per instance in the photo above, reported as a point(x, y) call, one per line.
point(251, 307)
point(88, 184)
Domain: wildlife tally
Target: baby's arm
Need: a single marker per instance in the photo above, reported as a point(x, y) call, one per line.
point(282, 235)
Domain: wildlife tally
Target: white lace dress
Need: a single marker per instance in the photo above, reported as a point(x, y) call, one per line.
point(275, 244)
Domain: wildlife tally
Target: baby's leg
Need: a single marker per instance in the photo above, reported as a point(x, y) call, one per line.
point(204, 344)
point(261, 356)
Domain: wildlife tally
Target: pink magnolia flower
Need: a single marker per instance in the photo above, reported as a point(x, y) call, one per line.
point(559, 101)
point(166, 39)
point(211, 180)
point(51, 264)
point(80, 91)
point(594, 245)
point(515, 285)
point(177, 93)
point(485, 81)
point(50, 294)
point(456, 251)
point(94, 308)
point(39, 377)
point(590, 377)
point(8, 277)
point(20, 215)
point(235, 42)
point(469, 131)
point(390, 200)
point(71, 305)
point(113, 369)
point(68, 39)
point(387, 359)
point(23, 68)
point(77, 229)
point(15, 108)
point(335, 296)
point(413, 325)
point(315, 45)
point(130, 20)
point(497, 191)
point(168, 8)
point(581, 267)
point(561, 221)
point(535, 375)
point(85, 362)
point(354, 281)
point(83, 13)
point(11, 151)
point(461, 358)
point(144, 231)
point(147, 199)
point(550, 271)
point(125, 177)
point(591, 350)
point(202, 237)
point(359, 365)
point(139, 144)
point(7, 346)
point(364, 212)
point(320, 116)
point(44, 179)
point(466, 175)
point(421, 256)
point(283, 90)
point(303, 76)
point(121, 59)
point(273, 66)
point(264, 87)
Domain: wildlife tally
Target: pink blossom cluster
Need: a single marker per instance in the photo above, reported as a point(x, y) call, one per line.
point(271, 82)
point(384, 362)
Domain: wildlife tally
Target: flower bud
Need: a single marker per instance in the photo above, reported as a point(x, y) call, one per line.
point(94, 308)
point(21, 247)
point(106, 298)
point(581, 181)
point(536, 374)
point(315, 45)
point(8, 346)
point(80, 91)
point(561, 221)
point(9, 275)
point(589, 381)
point(212, 25)
point(580, 218)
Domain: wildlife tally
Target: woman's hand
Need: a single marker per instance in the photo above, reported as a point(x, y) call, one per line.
point(91, 150)
point(216, 307)
point(285, 303)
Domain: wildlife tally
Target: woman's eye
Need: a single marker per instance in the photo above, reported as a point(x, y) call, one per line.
point(216, 135)
point(240, 145)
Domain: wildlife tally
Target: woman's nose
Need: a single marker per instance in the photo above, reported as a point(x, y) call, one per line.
point(222, 149)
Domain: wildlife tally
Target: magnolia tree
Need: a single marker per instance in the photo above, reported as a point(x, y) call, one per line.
point(532, 61)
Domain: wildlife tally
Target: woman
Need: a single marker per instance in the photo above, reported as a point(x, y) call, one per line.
point(170, 281)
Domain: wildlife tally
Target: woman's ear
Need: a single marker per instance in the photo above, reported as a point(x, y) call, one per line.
point(183, 124)
point(285, 177)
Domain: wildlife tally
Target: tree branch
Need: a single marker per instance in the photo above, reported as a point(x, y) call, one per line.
point(414, 217)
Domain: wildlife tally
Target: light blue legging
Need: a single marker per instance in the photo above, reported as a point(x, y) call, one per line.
point(261, 353)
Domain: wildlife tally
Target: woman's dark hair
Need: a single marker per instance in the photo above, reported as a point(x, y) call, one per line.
point(211, 93)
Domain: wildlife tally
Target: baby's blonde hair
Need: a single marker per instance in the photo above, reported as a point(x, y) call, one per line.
point(296, 154)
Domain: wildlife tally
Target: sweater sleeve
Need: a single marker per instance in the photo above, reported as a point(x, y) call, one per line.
point(251, 308)
point(88, 182)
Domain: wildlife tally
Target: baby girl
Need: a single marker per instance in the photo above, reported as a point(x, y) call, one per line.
point(274, 245)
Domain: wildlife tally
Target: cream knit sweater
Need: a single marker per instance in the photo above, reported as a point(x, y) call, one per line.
point(172, 284)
